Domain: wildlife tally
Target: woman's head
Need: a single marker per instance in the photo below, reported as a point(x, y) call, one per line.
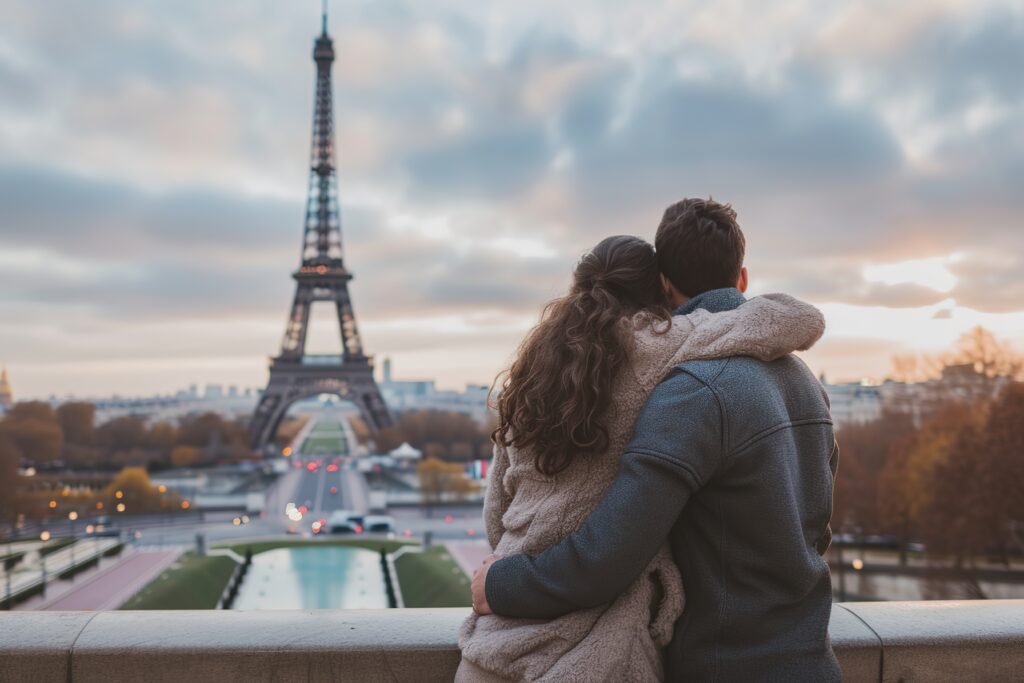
point(624, 267)
point(556, 394)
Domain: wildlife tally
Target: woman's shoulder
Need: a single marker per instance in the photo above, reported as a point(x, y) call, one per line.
point(655, 341)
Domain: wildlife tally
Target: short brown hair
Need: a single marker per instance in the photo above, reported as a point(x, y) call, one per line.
point(700, 246)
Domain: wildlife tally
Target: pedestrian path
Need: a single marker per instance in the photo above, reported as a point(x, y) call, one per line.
point(36, 569)
point(469, 555)
point(111, 586)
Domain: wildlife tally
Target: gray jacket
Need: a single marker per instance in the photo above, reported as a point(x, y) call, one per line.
point(732, 461)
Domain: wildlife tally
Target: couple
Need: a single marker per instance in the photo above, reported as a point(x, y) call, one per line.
point(658, 445)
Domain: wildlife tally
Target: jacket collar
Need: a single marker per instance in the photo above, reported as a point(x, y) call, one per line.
point(713, 301)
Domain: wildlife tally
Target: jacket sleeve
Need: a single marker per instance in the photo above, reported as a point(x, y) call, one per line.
point(676, 448)
point(766, 327)
point(497, 499)
point(826, 538)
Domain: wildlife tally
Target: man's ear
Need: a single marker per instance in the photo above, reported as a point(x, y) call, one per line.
point(672, 295)
point(666, 287)
point(741, 284)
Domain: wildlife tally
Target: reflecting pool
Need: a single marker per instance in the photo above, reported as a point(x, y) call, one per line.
point(313, 577)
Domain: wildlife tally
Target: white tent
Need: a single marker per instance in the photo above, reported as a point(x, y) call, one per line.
point(406, 452)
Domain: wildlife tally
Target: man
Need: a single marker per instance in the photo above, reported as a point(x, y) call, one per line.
point(732, 462)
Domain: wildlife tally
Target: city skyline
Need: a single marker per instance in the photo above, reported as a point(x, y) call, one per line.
point(152, 174)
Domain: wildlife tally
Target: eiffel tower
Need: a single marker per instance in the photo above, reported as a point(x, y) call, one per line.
point(322, 276)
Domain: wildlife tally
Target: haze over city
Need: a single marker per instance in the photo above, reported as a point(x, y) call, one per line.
point(153, 166)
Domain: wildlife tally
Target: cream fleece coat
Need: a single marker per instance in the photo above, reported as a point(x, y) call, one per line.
point(527, 512)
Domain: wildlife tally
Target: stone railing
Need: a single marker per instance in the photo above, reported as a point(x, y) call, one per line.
point(892, 641)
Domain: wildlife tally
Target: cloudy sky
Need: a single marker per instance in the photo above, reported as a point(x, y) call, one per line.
point(153, 169)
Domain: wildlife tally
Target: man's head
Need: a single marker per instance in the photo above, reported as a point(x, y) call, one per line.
point(700, 247)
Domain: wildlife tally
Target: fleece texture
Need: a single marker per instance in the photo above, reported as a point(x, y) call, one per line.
point(526, 512)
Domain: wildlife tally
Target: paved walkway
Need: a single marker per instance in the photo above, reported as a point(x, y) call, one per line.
point(468, 554)
point(110, 587)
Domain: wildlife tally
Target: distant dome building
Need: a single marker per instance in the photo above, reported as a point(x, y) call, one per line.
point(6, 395)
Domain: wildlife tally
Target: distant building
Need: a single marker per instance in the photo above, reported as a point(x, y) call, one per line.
point(854, 403)
point(405, 395)
point(6, 393)
point(859, 403)
point(171, 407)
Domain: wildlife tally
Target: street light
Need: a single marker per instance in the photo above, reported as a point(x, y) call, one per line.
point(72, 516)
point(7, 571)
point(44, 536)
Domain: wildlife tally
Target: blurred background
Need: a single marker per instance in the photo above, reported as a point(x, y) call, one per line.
point(154, 160)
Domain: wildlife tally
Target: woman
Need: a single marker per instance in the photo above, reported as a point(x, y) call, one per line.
point(566, 413)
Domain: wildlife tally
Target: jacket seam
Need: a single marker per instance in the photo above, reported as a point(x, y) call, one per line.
point(669, 460)
point(723, 414)
point(763, 434)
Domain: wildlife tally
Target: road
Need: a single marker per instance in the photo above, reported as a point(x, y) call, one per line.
point(327, 480)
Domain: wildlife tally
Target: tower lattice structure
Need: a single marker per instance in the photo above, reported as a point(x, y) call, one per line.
point(6, 393)
point(321, 276)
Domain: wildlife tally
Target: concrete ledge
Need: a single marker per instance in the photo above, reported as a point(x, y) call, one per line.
point(964, 640)
point(892, 641)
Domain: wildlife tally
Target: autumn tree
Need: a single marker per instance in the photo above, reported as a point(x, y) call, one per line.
point(905, 486)
point(77, 420)
point(979, 348)
point(864, 450)
point(289, 429)
point(33, 428)
point(977, 503)
point(9, 458)
point(138, 494)
point(441, 480)
point(185, 456)
point(122, 433)
point(445, 435)
point(161, 437)
point(988, 355)
point(1004, 460)
point(214, 435)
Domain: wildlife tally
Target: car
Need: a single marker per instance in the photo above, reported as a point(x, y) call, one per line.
point(334, 490)
point(379, 524)
point(345, 522)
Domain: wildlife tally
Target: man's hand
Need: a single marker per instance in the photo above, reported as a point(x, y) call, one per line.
point(480, 605)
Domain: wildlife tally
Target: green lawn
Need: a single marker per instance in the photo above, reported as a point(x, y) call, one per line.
point(432, 580)
point(193, 582)
point(325, 438)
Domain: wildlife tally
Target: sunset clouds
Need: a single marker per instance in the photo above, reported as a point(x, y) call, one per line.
point(153, 166)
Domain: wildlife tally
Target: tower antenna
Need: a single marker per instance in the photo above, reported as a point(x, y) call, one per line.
point(324, 17)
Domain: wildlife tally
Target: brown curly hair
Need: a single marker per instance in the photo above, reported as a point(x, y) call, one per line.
point(556, 394)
